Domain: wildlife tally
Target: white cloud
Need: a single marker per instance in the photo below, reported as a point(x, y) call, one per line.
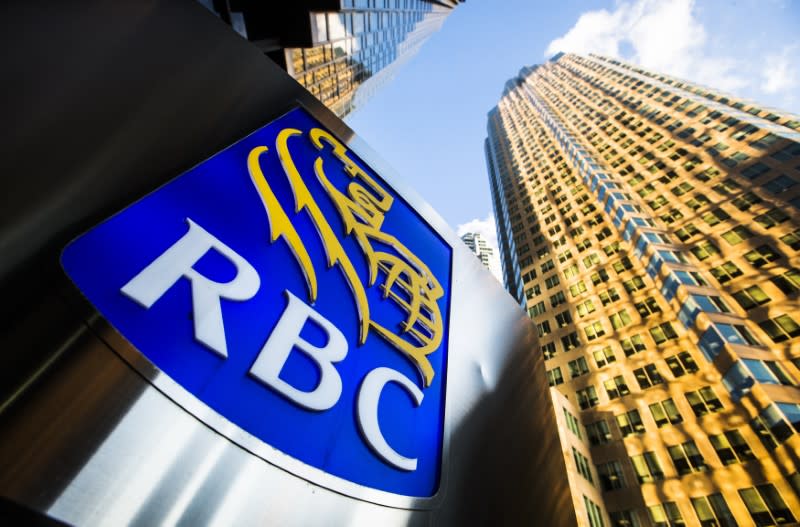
point(780, 72)
point(662, 35)
point(486, 228)
point(488, 231)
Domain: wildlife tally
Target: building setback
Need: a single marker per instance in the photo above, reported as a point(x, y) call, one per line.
point(341, 51)
point(478, 245)
point(651, 229)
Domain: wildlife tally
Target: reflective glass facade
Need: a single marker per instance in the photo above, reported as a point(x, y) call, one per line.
point(651, 229)
point(360, 46)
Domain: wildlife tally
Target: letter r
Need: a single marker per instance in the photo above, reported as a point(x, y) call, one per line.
point(177, 262)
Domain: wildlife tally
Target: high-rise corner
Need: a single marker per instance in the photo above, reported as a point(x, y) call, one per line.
point(342, 51)
point(651, 229)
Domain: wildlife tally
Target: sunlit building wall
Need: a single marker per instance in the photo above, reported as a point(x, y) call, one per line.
point(651, 228)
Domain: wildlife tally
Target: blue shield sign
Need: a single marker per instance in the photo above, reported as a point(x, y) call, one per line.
point(287, 287)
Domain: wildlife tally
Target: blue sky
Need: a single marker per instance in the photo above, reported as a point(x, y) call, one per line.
point(429, 123)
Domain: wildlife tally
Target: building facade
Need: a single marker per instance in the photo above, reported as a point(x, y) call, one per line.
point(478, 245)
point(651, 228)
point(342, 51)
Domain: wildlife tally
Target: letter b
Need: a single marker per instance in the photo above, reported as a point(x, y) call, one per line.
point(286, 337)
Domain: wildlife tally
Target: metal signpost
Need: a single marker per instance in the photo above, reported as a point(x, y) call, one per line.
point(280, 334)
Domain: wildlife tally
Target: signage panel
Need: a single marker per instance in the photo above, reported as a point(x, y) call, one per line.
point(287, 287)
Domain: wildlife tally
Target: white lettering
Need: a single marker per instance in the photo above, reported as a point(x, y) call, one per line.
point(368, 399)
point(175, 263)
point(286, 337)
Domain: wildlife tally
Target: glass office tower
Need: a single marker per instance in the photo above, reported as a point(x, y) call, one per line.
point(651, 228)
point(342, 51)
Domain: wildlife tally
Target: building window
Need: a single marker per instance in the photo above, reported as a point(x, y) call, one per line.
point(788, 282)
point(731, 447)
point(610, 475)
point(726, 272)
point(616, 387)
point(634, 284)
point(630, 423)
point(771, 218)
point(780, 184)
point(766, 505)
point(737, 235)
point(552, 281)
point(690, 278)
point(543, 328)
point(570, 341)
point(558, 299)
point(777, 423)
point(745, 201)
point(549, 350)
point(768, 372)
point(647, 376)
point(598, 433)
point(587, 397)
point(687, 232)
point(737, 334)
point(554, 377)
point(532, 292)
point(604, 356)
point(712, 511)
point(584, 308)
point(599, 277)
point(681, 364)
point(563, 319)
point(608, 296)
point(665, 413)
point(572, 423)
point(577, 289)
point(583, 465)
point(593, 512)
point(647, 468)
point(624, 519)
point(755, 170)
point(780, 328)
point(710, 304)
point(591, 260)
point(761, 256)
point(647, 307)
point(686, 458)
point(704, 250)
point(578, 367)
point(594, 330)
point(751, 297)
point(632, 345)
point(794, 481)
point(666, 514)
point(715, 216)
point(792, 239)
point(537, 309)
point(663, 332)
point(703, 401)
point(624, 264)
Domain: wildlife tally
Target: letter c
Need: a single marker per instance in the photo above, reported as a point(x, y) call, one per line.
point(368, 399)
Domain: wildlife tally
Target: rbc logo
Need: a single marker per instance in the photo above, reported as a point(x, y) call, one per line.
point(287, 287)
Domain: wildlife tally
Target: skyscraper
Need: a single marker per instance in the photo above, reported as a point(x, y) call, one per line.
point(651, 228)
point(342, 51)
point(478, 245)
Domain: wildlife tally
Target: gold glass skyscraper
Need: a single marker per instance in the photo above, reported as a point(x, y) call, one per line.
point(651, 228)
